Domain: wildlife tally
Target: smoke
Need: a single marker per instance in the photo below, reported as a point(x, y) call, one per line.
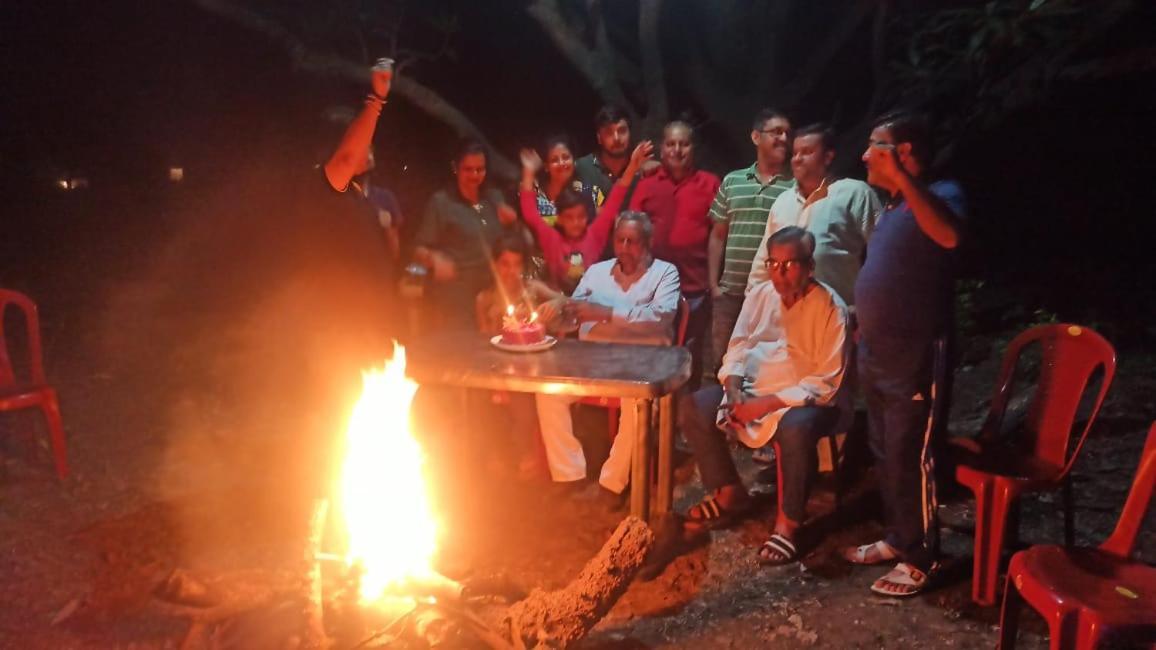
point(244, 334)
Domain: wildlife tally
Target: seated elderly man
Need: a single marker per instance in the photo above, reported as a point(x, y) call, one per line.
point(781, 377)
point(629, 299)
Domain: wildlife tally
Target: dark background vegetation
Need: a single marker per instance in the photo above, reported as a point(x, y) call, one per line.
point(1058, 183)
point(1047, 118)
point(187, 324)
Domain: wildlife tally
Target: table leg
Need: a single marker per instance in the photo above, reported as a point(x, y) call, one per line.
point(665, 497)
point(640, 461)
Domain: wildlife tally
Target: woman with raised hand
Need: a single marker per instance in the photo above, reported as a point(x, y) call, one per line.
point(558, 175)
point(573, 243)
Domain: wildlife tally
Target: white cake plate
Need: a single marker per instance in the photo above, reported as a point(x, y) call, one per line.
point(544, 344)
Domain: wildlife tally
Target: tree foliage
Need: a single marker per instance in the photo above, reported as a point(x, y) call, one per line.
point(969, 64)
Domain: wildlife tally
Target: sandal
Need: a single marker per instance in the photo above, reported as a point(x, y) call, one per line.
point(904, 581)
point(777, 551)
point(710, 512)
point(883, 552)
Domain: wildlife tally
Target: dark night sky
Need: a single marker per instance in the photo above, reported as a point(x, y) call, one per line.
point(127, 88)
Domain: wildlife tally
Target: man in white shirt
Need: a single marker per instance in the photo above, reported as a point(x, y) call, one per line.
point(630, 299)
point(781, 379)
point(841, 214)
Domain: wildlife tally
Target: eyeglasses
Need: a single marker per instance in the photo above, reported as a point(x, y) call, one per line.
point(778, 131)
point(785, 265)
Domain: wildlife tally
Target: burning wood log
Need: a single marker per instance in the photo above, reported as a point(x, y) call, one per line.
point(180, 588)
point(315, 623)
point(557, 619)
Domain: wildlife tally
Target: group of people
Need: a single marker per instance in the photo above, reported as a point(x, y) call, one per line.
point(800, 289)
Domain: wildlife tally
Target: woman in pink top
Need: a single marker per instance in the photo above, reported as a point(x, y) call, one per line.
point(570, 245)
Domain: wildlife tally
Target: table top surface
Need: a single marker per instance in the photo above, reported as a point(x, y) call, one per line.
point(577, 368)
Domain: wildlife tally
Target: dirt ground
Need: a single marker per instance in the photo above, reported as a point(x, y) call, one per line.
point(185, 455)
point(80, 558)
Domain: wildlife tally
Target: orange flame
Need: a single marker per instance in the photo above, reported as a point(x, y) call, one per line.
point(392, 533)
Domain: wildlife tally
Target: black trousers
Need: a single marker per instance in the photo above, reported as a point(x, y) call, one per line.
point(896, 378)
point(796, 436)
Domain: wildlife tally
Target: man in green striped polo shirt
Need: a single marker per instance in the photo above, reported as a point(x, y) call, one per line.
point(739, 213)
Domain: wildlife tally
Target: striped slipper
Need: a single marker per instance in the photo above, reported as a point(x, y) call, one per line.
point(710, 513)
point(777, 551)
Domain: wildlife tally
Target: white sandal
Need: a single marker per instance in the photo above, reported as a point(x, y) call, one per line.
point(858, 555)
point(903, 575)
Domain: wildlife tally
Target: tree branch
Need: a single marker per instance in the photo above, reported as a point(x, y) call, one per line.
point(596, 66)
point(322, 63)
point(820, 56)
point(653, 77)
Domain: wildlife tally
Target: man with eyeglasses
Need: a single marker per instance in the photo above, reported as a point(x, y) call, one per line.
point(739, 217)
point(839, 212)
point(903, 298)
point(781, 379)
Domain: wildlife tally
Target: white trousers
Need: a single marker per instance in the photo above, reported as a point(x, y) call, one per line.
point(564, 452)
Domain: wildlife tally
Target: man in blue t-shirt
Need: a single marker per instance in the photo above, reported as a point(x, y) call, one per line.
point(903, 302)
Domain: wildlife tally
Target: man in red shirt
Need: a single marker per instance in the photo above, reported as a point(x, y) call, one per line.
point(678, 198)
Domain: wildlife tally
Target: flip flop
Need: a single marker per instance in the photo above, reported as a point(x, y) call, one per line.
point(783, 548)
point(711, 513)
point(910, 580)
point(858, 554)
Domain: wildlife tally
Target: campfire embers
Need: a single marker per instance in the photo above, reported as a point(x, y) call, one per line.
point(447, 614)
point(382, 589)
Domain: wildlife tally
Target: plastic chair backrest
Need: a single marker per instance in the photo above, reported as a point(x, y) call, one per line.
point(681, 319)
point(32, 322)
point(1071, 354)
point(1123, 539)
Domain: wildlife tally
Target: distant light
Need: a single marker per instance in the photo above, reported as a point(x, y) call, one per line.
point(176, 174)
point(405, 168)
point(72, 183)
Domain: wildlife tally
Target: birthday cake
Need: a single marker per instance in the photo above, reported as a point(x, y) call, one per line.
point(516, 331)
point(524, 334)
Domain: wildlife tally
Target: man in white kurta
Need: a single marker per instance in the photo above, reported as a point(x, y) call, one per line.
point(780, 382)
point(630, 299)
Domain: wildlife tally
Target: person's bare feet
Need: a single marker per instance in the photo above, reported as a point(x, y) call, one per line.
point(875, 553)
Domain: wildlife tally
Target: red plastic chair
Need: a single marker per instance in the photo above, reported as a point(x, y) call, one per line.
point(1087, 594)
point(613, 404)
point(18, 393)
point(1040, 460)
